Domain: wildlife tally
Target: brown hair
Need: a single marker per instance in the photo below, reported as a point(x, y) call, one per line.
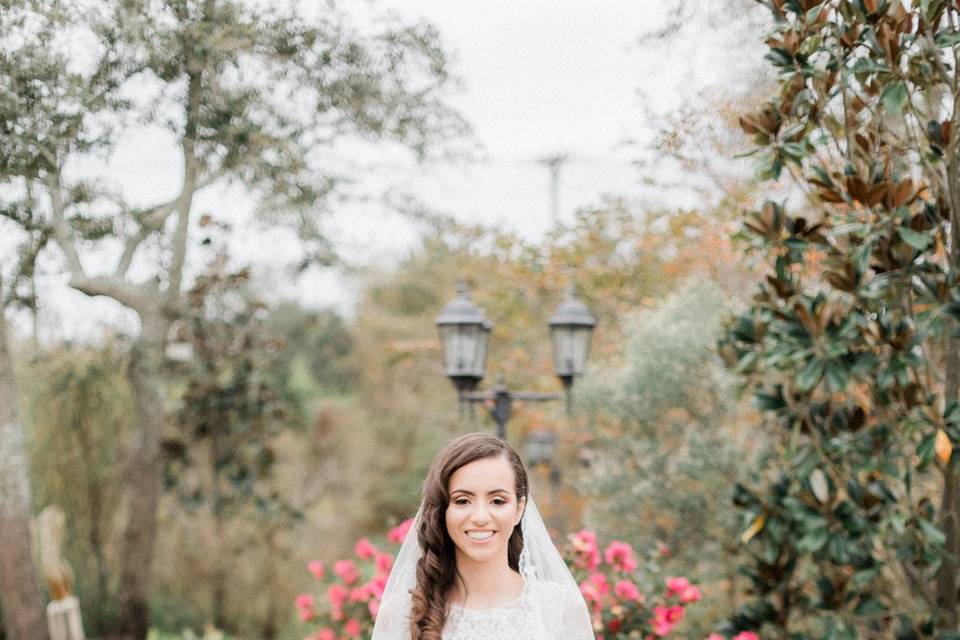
point(436, 568)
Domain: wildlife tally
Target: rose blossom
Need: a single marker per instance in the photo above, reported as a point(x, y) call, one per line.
point(399, 532)
point(364, 550)
point(620, 555)
point(352, 627)
point(316, 568)
point(676, 585)
point(384, 562)
point(626, 590)
point(346, 570)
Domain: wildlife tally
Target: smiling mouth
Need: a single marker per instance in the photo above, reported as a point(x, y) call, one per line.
point(480, 535)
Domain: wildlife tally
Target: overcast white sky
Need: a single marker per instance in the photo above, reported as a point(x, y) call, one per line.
point(539, 77)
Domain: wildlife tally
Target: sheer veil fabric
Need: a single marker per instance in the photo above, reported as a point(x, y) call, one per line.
point(550, 608)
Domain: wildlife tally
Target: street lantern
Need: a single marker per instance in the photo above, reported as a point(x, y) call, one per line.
point(570, 329)
point(464, 332)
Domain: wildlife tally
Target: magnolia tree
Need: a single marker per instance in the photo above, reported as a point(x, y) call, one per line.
point(252, 94)
point(850, 346)
point(353, 587)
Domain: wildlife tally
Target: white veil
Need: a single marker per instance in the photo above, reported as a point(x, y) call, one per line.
point(540, 564)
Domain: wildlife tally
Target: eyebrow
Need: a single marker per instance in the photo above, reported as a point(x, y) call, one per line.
point(471, 493)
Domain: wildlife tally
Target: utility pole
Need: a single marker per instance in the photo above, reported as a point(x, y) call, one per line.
point(553, 163)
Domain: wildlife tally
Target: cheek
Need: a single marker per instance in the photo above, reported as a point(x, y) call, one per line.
point(451, 520)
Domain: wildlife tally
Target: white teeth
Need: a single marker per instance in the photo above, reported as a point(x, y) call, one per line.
point(479, 535)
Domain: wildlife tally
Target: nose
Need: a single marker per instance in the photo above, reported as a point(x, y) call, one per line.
point(480, 515)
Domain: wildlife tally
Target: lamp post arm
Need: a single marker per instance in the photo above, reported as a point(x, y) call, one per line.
point(502, 405)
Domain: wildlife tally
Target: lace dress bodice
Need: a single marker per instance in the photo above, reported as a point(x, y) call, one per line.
point(538, 614)
point(544, 611)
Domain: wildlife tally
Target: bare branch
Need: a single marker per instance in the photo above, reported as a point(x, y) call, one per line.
point(61, 232)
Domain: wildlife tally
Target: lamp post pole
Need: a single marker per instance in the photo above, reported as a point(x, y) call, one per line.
point(499, 402)
point(464, 331)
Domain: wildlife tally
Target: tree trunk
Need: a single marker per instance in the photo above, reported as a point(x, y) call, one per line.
point(947, 574)
point(19, 587)
point(142, 486)
point(95, 502)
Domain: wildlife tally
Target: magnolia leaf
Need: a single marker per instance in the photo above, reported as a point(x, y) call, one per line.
point(818, 482)
point(809, 376)
point(814, 541)
point(915, 239)
point(894, 97)
point(943, 447)
point(947, 38)
point(934, 535)
point(754, 528)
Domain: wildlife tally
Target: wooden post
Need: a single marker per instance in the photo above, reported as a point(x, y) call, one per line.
point(63, 619)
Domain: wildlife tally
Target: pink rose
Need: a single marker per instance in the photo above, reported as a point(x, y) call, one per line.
point(620, 555)
point(364, 550)
point(399, 532)
point(626, 590)
point(676, 585)
point(346, 570)
point(304, 603)
point(376, 586)
point(589, 592)
point(336, 595)
point(584, 543)
point(746, 635)
point(357, 594)
point(325, 634)
point(599, 581)
point(690, 594)
point(665, 619)
point(384, 562)
point(374, 606)
point(316, 568)
point(352, 627)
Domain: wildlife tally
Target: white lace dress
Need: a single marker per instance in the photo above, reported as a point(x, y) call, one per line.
point(545, 611)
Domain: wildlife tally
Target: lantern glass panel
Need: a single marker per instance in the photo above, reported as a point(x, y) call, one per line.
point(571, 347)
point(464, 349)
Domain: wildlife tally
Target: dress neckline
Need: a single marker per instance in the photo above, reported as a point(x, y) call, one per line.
point(504, 605)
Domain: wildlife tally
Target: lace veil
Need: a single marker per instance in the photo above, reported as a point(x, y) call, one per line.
point(540, 565)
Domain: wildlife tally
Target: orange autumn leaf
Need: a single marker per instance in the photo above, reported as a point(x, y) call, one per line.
point(943, 447)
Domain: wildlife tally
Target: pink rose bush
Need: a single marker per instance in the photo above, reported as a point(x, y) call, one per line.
point(351, 590)
point(618, 607)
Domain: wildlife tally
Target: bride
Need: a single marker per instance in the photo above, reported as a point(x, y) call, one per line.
point(478, 563)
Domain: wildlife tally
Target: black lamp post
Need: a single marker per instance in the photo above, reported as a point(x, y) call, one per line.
point(464, 331)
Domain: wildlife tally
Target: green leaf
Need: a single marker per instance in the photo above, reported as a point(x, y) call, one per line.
point(925, 449)
point(837, 376)
point(915, 239)
point(869, 606)
point(933, 534)
point(813, 541)
point(894, 97)
point(810, 375)
point(947, 38)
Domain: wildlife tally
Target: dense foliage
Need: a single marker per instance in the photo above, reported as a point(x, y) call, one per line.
point(850, 345)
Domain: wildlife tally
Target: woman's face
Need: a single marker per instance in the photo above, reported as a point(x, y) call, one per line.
point(483, 510)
